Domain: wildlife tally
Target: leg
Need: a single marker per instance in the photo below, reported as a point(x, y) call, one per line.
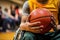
point(12, 24)
point(4, 25)
point(56, 35)
point(52, 35)
point(28, 36)
point(47, 36)
point(6, 21)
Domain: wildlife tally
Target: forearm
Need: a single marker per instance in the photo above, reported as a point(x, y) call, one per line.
point(24, 19)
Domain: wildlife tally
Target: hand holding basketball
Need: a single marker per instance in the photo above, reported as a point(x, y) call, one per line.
point(41, 15)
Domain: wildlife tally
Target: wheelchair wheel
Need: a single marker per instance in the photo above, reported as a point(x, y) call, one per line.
point(17, 35)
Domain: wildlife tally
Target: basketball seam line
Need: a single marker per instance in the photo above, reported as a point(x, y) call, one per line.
point(41, 17)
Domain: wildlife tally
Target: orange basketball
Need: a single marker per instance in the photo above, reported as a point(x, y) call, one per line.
point(43, 16)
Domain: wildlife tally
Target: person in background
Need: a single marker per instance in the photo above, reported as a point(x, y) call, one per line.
point(16, 18)
point(0, 14)
point(6, 20)
point(1, 21)
point(19, 15)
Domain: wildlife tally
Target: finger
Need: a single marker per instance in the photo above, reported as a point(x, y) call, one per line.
point(53, 20)
point(37, 31)
point(35, 28)
point(52, 23)
point(35, 23)
point(41, 26)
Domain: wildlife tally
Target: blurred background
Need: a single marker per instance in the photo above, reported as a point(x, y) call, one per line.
point(10, 17)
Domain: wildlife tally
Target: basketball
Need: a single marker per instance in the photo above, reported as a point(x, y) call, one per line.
point(43, 16)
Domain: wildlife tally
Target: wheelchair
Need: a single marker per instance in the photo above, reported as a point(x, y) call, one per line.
point(17, 35)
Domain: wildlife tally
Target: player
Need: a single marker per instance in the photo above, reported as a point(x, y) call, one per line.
point(32, 33)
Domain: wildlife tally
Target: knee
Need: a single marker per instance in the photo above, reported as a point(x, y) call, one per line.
point(28, 36)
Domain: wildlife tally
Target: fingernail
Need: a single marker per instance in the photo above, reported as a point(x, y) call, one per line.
point(38, 22)
point(41, 26)
point(41, 29)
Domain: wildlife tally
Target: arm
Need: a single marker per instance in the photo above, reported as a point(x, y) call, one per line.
point(25, 11)
point(25, 25)
point(3, 15)
point(16, 16)
point(24, 15)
